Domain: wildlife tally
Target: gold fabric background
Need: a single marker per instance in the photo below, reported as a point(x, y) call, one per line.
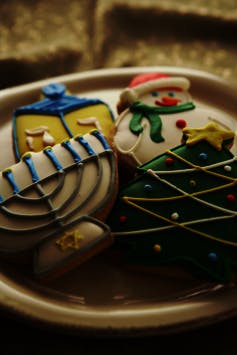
point(41, 38)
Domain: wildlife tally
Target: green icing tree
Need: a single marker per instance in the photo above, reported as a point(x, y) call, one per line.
point(182, 207)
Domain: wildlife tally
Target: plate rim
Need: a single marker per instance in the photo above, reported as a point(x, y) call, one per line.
point(106, 72)
point(102, 320)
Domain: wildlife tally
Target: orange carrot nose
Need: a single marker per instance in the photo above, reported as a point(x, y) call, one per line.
point(167, 101)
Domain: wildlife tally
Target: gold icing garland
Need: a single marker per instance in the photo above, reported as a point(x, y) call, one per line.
point(128, 200)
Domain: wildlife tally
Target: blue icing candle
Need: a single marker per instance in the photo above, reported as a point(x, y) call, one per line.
point(101, 138)
point(8, 174)
point(30, 164)
point(67, 144)
point(50, 154)
point(85, 144)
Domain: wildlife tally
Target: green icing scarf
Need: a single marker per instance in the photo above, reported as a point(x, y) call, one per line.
point(152, 113)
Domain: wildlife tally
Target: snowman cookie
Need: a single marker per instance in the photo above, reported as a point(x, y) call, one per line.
point(153, 111)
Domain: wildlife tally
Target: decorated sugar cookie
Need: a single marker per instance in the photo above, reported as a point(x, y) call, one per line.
point(182, 208)
point(153, 110)
point(53, 203)
point(58, 115)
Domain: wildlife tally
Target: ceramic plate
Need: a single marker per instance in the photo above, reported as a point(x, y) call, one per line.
point(100, 298)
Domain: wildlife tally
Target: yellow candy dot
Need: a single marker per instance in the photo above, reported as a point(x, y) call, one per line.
point(157, 248)
point(193, 183)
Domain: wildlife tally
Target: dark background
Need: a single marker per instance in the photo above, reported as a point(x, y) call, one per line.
point(18, 337)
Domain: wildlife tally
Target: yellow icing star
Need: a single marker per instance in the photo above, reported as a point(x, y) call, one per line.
point(210, 133)
point(70, 239)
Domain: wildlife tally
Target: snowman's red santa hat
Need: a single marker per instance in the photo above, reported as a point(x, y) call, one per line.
point(147, 82)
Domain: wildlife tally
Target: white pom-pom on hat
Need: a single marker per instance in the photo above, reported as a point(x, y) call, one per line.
point(129, 95)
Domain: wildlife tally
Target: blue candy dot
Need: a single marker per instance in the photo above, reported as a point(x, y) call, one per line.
point(213, 257)
point(147, 187)
point(171, 94)
point(203, 156)
point(155, 93)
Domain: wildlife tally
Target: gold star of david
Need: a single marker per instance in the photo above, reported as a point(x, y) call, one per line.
point(210, 133)
point(70, 240)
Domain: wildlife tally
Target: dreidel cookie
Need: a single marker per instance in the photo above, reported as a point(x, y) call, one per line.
point(56, 116)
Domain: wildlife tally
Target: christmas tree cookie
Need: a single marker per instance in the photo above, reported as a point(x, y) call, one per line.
point(56, 116)
point(181, 209)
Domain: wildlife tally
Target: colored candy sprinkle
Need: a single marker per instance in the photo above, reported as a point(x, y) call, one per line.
point(193, 183)
point(180, 123)
point(169, 161)
point(231, 197)
point(227, 168)
point(213, 257)
point(157, 248)
point(174, 216)
point(123, 219)
point(147, 187)
point(203, 156)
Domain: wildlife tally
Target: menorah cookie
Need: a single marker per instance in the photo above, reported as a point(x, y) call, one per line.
point(181, 209)
point(54, 203)
point(56, 116)
point(153, 110)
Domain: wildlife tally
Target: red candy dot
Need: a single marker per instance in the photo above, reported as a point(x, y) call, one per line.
point(169, 161)
point(231, 197)
point(122, 219)
point(180, 123)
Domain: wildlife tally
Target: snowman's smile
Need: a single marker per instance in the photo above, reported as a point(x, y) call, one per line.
point(167, 101)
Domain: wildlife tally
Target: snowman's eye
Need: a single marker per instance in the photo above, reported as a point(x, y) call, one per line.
point(171, 94)
point(155, 93)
